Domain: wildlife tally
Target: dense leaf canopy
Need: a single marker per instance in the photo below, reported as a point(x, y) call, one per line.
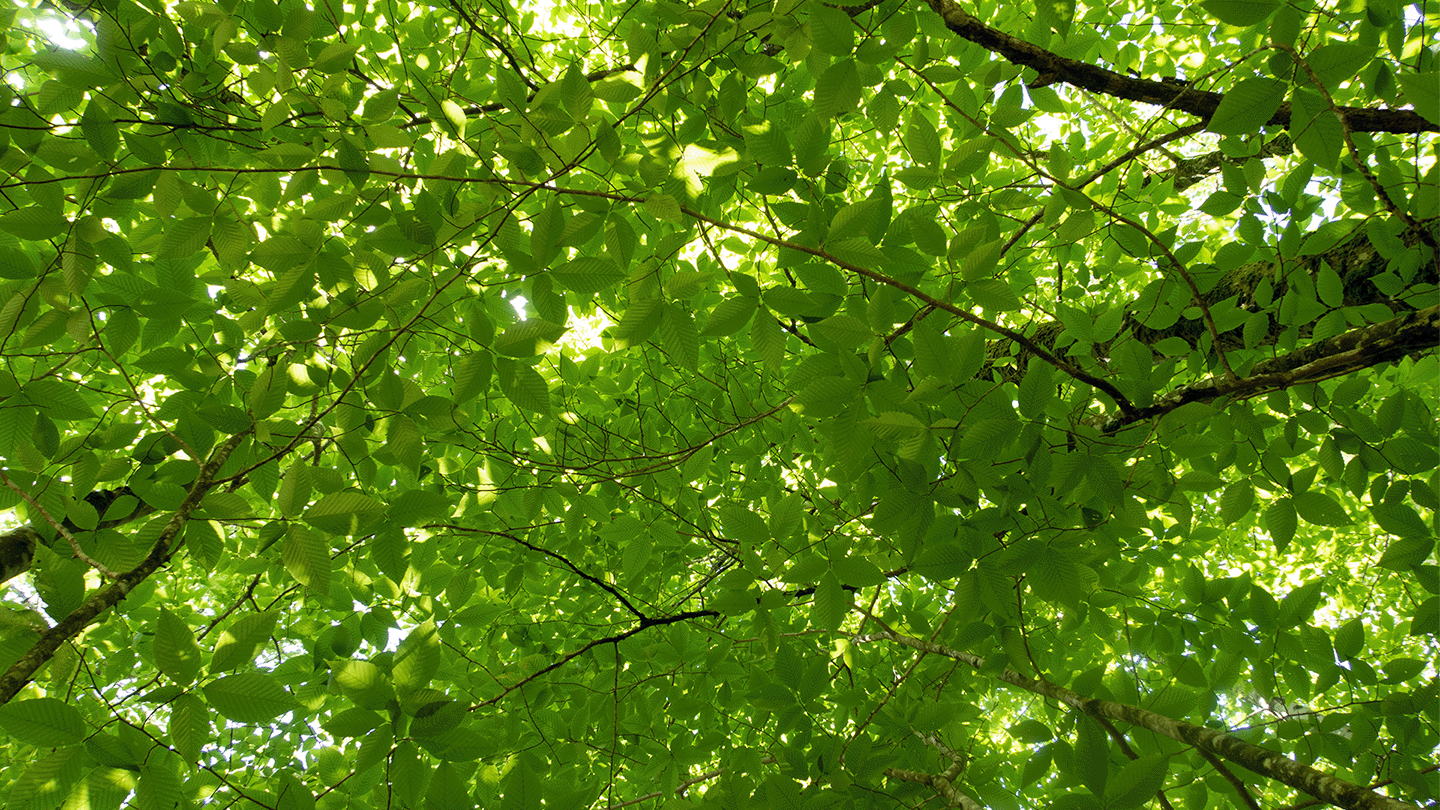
point(730, 404)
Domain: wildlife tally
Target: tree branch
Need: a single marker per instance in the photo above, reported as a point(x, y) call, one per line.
point(1263, 761)
point(1201, 103)
point(71, 626)
point(937, 782)
point(1337, 356)
point(58, 526)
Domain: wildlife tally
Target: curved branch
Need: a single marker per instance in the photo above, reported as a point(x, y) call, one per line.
point(1179, 96)
point(59, 526)
point(71, 626)
point(938, 783)
point(1337, 356)
point(1277, 766)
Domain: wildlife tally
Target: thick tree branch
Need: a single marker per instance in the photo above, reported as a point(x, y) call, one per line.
point(1263, 761)
point(1190, 171)
point(1119, 738)
point(937, 782)
point(17, 546)
point(71, 626)
point(59, 526)
point(1337, 356)
point(1055, 68)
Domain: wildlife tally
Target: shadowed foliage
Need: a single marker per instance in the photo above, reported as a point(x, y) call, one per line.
point(775, 405)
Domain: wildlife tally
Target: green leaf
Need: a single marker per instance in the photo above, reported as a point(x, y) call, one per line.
point(1317, 132)
point(335, 57)
point(353, 162)
point(184, 237)
point(34, 223)
point(923, 142)
point(46, 722)
point(846, 331)
point(353, 722)
point(1321, 509)
point(342, 512)
point(524, 387)
point(1406, 553)
point(250, 697)
point(417, 658)
point(744, 525)
point(1280, 522)
point(57, 400)
point(678, 337)
point(1241, 13)
point(639, 322)
point(1236, 501)
point(838, 90)
point(1399, 670)
point(1422, 90)
point(1426, 621)
point(588, 274)
point(979, 264)
point(447, 790)
point(1350, 639)
point(364, 683)
point(472, 376)
point(189, 727)
point(1036, 389)
point(455, 117)
point(528, 338)
point(812, 140)
point(663, 207)
point(1337, 61)
point(419, 506)
point(858, 572)
point(74, 68)
point(1137, 782)
point(1247, 106)
point(307, 558)
point(831, 603)
point(1092, 757)
point(98, 127)
point(730, 315)
point(49, 779)
point(832, 31)
point(521, 788)
point(176, 652)
point(993, 294)
point(236, 646)
point(767, 144)
point(1400, 519)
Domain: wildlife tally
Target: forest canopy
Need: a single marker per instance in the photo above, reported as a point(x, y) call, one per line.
point(737, 404)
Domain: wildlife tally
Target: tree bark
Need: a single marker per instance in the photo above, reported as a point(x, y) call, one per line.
point(1263, 761)
point(1361, 348)
point(1174, 95)
point(17, 551)
point(107, 597)
point(17, 546)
